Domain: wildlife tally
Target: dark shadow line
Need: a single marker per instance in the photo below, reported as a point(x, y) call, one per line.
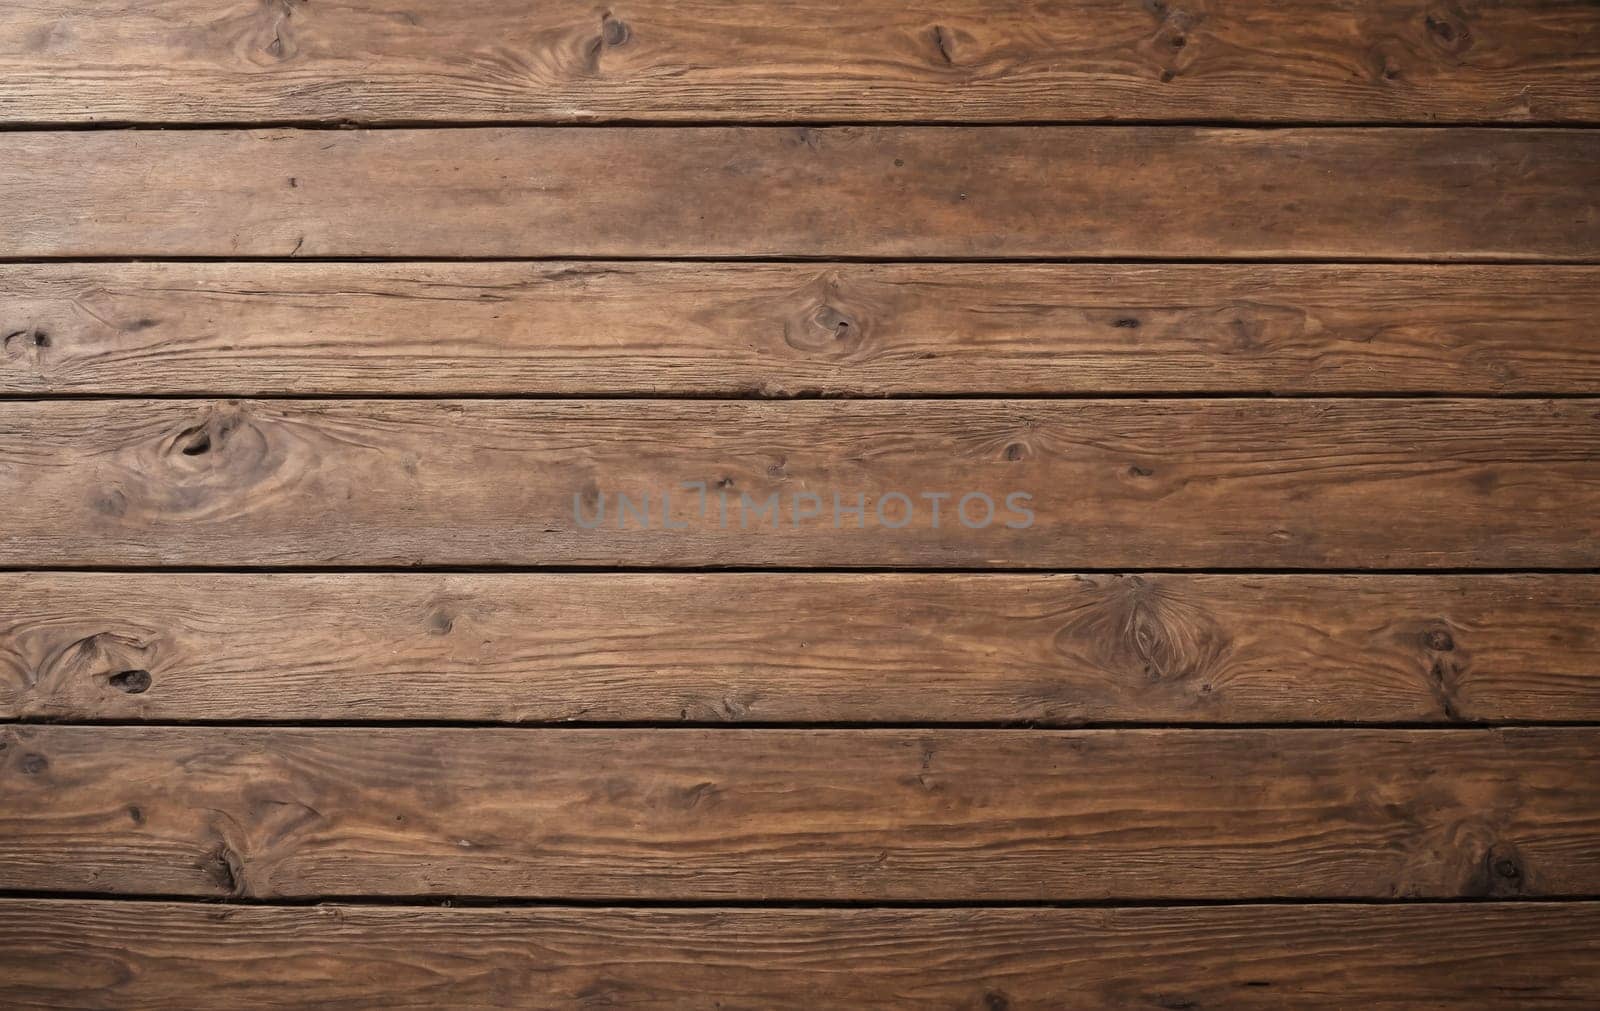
point(896, 726)
point(667, 122)
point(490, 569)
point(765, 396)
point(711, 905)
point(825, 258)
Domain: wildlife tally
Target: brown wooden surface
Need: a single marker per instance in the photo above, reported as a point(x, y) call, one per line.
point(409, 60)
point(799, 647)
point(1290, 702)
point(774, 329)
point(1115, 484)
point(929, 815)
point(1145, 192)
point(160, 956)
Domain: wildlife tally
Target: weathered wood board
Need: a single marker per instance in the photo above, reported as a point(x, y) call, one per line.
point(943, 192)
point(1109, 484)
point(799, 647)
point(833, 60)
point(157, 956)
point(776, 329)
point(859, 815)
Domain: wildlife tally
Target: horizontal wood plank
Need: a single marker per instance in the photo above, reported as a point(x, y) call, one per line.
point(780, 329)
point(742, 647)
point(158, 956)
point(1141, 192)
point(1037, 484)
point(409, 60)
point(930, 815)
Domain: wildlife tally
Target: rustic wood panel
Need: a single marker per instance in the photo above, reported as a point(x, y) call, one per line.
point(1348, 60)
point(741, 647)
point(775, 329)
point(929, 815)
point(1144, 192)
point(166, 955)
point(1113, 484)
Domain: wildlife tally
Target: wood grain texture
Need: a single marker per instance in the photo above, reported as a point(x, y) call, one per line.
point(1141, 192)
point(803, 647)
point(1113, 484)
point(783, 329)
point(159, 956)
point(486, 60)
point(929, 815)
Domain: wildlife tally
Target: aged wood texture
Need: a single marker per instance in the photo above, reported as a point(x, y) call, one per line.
point(930, 815)
point(1113, 484)
point(486, 60)
point(793, 647)
point(1144, 192)
point(158, 956)
point(776, 329)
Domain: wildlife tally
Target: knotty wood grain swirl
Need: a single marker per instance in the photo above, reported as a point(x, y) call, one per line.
point(782, 329)
point(1141, 192)
point(1114, 484)
point(799, 647)
point(704, 815)
point(485, 60)
point(159, 956)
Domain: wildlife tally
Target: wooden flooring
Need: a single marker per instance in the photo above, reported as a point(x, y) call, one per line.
point(985, 504)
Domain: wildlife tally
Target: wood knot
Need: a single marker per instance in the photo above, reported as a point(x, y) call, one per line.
point(1499, 874)
point(614, 32)
point(828, 318)
point(1170, 47)
point(1016, 451)
point(274, 38)
point(34, 763)
point(223, 453)
point(1444, 664)
point(1448, 32)
point(28, 345)
point(208, 435)
point(1253, 327)
point(134, 682)
point(99, 659)
point(823, 321)
point(224, 868)
point(1139, 629)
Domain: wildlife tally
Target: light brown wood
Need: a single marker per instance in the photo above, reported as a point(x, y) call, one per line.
point(1113, 484)
point(1143, 192)
point(485, 60)
point(931, 815)
point(799, 647)
point(779, 329)
point(160, 956)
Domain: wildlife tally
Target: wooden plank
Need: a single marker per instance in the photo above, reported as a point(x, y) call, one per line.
point(777, 329)
point(1140, 192)
point(836, 60)
point(929, 815)
point(158, 956)
point(1109, 484)
point(741, 647)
